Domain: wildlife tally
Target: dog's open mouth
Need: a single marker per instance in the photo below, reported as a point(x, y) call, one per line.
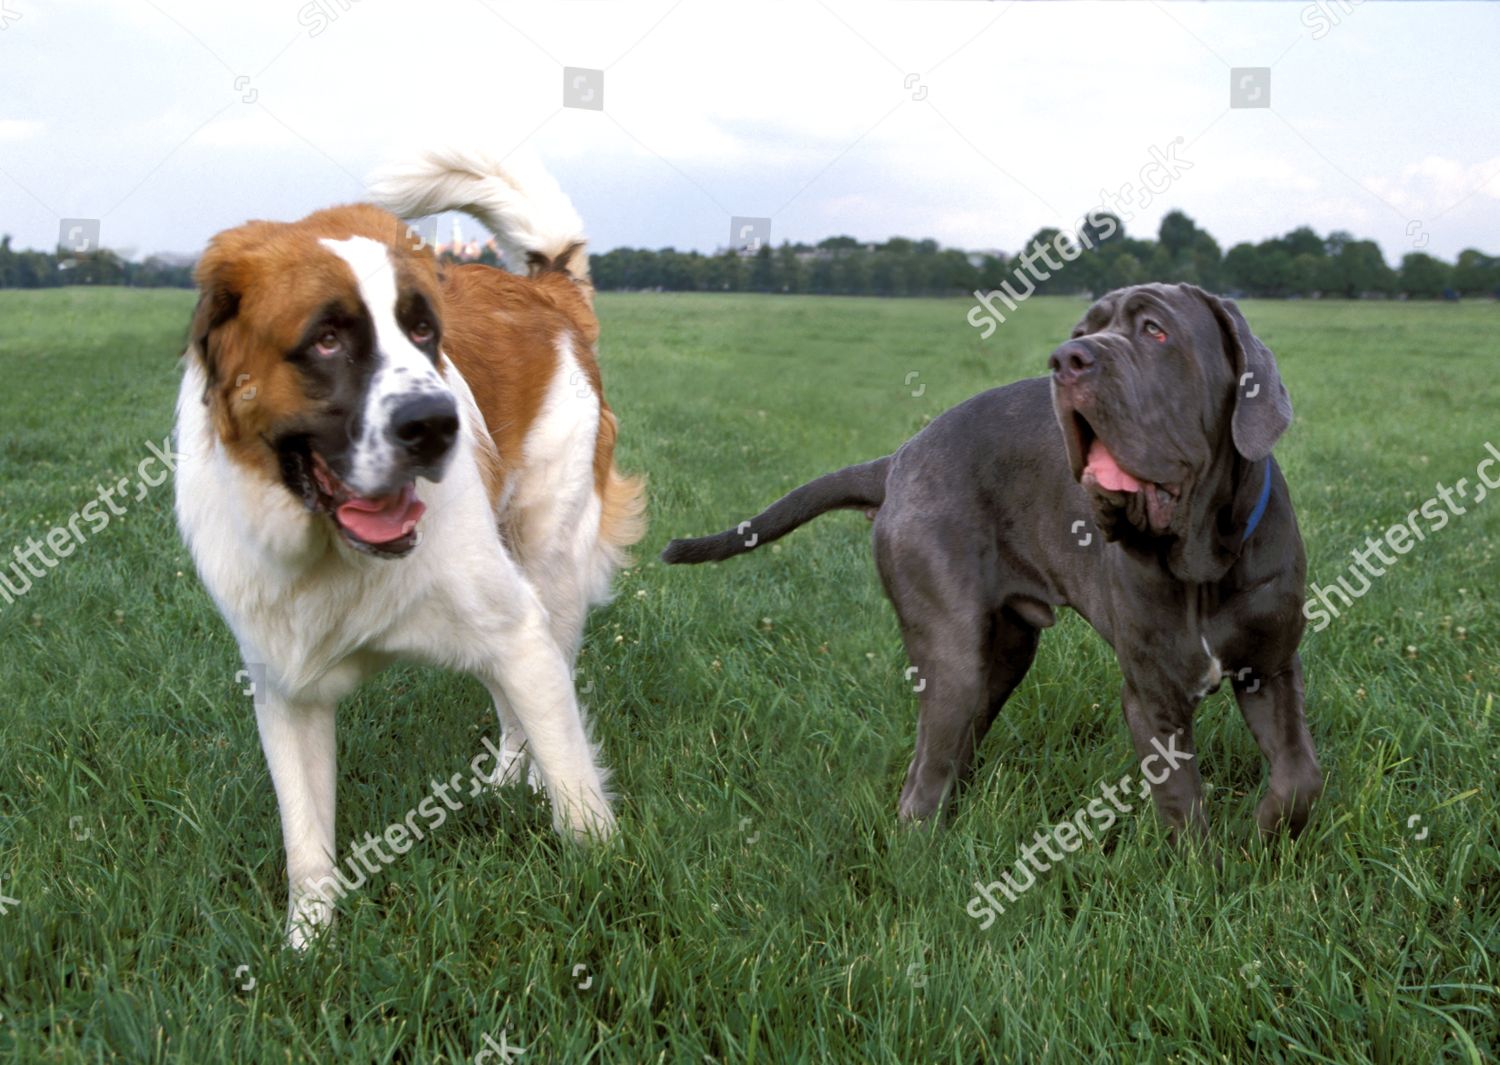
point(384, 525)
point(1102, 473)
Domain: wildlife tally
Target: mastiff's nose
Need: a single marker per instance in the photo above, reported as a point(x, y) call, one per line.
point(425, 426)
point(1072, 362)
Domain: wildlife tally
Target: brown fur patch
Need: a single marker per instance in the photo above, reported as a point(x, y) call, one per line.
point(573, 260)
point(261, 284)
point(622, 499)
point(501, 332)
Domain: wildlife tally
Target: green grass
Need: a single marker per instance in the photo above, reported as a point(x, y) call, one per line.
point(761, 903)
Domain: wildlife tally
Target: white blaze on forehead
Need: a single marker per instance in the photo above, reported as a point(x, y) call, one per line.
point(401, 370)
point(376, 278)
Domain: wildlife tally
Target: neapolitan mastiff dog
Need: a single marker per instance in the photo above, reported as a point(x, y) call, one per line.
point(1168, 407)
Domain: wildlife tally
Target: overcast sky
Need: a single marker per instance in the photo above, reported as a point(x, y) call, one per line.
point(971, 122)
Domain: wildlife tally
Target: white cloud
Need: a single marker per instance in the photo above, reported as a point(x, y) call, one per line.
point(1436, 184)
point(250, 128)
point(17, 129)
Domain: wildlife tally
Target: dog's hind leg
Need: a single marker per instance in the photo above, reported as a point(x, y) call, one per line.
point(513, 763)
point(966, 670)
point(565, 618)
point(564, 580)
point(966, 656)
point(1012, 649)
point(949, 673)
point(515, 654)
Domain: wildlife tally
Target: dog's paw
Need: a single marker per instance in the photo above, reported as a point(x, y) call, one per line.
point(311, 917)
point(512, 766)
point(1289, 799)
point(585, 818)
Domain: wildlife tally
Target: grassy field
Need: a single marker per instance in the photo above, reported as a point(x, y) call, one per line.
point(761, 903)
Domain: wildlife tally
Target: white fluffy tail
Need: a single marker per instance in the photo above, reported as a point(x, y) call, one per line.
point(532, 218)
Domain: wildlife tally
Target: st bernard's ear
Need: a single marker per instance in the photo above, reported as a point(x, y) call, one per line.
point(219, 274)
point(217, 305)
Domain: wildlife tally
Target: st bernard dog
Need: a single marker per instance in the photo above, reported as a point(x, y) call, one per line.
point(386, 458)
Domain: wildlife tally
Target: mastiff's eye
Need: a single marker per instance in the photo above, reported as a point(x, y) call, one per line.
point(329, 344)
point(1154, 331)
point(421, 333)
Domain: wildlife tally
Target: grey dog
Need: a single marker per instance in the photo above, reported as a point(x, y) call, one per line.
point(1168, 408)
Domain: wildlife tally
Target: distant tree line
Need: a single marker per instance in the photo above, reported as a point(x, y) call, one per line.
point(1301, 263)
point(40, 269)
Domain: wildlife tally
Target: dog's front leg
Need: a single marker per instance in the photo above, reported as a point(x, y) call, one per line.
point(512, 764)
point(535, 681)
point(1161, 727)
point(1273, 710)
point(298, 738)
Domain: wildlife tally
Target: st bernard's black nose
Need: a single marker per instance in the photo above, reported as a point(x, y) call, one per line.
point(1072, 362)
point(425, 426)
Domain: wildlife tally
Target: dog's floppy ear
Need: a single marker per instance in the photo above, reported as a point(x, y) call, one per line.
point(1262, 408)
point(218, 299)
point(220, 275)
point(217, 305)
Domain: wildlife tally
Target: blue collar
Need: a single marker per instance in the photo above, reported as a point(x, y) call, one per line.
point(1260, 504)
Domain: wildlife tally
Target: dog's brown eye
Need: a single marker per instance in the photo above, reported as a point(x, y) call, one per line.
point(1154, 331)
point(329, 344)
point(421, 333)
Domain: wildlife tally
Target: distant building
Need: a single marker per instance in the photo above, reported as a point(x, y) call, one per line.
point(468, 250)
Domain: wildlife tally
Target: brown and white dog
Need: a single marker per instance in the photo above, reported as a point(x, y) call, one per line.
point(383, 458)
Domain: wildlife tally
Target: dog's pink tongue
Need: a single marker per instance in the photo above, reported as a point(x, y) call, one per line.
point(383, 519)
point(1107, 471)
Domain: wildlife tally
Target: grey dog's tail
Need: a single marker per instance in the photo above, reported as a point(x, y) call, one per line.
point(853, 486)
